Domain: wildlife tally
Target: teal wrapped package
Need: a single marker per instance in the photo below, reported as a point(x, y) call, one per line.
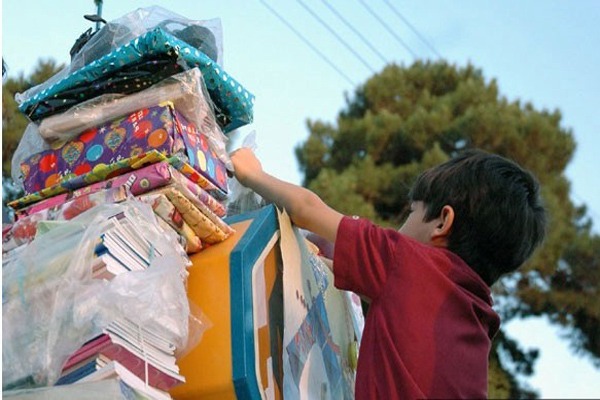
point(137, 65)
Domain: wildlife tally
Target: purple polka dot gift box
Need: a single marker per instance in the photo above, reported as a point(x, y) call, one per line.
point(159, 128)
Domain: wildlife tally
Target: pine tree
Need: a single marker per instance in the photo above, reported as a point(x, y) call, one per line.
point(404, 120)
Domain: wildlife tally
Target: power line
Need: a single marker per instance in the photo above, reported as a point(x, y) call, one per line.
point(412, 28)
point(308, 43)
point(338, 37)
point(390, 30)
point(351, 27)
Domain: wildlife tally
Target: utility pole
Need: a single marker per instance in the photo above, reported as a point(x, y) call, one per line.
point(98, 4)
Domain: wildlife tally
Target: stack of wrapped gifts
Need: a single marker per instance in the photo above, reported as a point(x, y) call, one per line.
point(124, 167)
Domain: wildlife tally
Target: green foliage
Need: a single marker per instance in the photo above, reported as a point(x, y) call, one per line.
point(502, 379)
point(404, 120)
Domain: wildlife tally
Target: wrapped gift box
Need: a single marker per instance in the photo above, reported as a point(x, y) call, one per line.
point(137, 65)
point(161, 128)
point(138, 181)
point(100, 173)
point(107, 172)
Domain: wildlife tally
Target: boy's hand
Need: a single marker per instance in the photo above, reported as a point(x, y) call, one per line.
point(245, 165)
point(303, 206)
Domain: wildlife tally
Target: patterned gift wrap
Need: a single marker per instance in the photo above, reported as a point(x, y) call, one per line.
point(138, 181)
point(161, 128)
point(203, 227)
point(186, 169)
point(196, 193)
point(165, 210)
point(201, 206)
point(137, 65)
point(99, 173)
point(105, 172)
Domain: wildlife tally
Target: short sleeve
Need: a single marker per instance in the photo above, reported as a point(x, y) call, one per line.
point(364, 256)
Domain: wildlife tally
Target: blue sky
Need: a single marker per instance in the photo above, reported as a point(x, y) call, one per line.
point(539, 51)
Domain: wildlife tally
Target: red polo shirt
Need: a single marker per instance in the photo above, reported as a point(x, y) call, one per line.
point(430, 323)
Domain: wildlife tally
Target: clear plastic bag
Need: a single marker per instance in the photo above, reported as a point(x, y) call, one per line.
point(52, 305)
point(130, 26)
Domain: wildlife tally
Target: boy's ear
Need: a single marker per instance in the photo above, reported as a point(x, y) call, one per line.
point(439, 235)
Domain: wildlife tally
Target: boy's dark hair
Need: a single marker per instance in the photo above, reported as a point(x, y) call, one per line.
point(499, 219)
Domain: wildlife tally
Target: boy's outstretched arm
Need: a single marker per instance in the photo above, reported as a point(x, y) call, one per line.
point(304, 207)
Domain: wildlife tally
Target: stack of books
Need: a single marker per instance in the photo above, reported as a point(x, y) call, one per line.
point(141, 356)
point(121, 248)
point(123, 346)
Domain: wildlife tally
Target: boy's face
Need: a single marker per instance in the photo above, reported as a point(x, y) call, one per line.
point(415, 225)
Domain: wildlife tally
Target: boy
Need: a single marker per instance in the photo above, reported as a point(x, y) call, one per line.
point(430, 323)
